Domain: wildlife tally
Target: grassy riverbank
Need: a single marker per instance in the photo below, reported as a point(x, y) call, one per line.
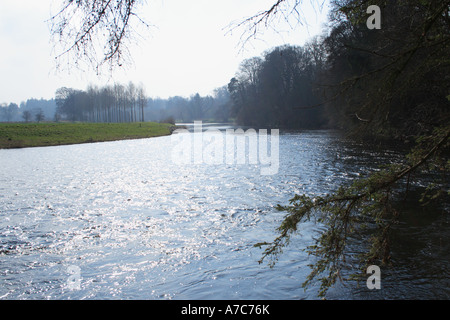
point(22, 135)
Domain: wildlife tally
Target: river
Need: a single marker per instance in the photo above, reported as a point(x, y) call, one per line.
point(126, 220)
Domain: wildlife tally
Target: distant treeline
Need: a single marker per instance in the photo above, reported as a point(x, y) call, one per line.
point(279, 89)
point(120, 103)
point(215, 107)
point(30, 110)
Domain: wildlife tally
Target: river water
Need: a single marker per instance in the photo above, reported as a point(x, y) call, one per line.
point(125, 220)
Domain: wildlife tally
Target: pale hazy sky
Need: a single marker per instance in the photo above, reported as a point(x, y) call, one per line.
point(187, 51)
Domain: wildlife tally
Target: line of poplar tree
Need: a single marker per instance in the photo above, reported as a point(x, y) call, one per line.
point(112, 103)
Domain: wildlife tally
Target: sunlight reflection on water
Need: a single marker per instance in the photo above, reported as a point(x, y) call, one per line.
point(140, 227)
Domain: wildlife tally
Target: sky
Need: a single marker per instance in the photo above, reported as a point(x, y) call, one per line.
point(188, 49)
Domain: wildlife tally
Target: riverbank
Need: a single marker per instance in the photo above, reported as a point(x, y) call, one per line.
point(24, 135)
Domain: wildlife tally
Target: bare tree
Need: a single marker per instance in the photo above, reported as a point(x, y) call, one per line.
point(131, 100)
point(281, 11)
point(39, 116)
point(26, 115)
point(97, 32)
point(142, 101)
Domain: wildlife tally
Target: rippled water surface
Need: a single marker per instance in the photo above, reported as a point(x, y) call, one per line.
point(137, 225)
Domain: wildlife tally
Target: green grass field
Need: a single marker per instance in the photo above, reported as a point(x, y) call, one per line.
point(23, 135)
